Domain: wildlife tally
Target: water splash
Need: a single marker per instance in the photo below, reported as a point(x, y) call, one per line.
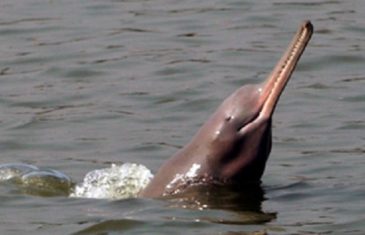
point(115, 182)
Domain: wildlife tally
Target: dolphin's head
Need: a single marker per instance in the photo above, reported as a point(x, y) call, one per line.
point(234, 144)
point(240, 137)
point(240, 130)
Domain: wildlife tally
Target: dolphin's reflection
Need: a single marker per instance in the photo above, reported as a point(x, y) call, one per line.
point(242, 204)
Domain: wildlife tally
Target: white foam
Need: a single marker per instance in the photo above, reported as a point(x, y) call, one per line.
point(116, 182)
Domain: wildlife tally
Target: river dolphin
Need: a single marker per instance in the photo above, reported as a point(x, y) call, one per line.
point(232, 147)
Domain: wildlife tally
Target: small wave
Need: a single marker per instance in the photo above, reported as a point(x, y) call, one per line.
point(33, 180)
point(116, 182)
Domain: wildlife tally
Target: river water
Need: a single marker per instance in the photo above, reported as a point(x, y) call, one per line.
point(87, 83)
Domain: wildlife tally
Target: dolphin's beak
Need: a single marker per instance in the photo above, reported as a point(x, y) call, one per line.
point(275, 84)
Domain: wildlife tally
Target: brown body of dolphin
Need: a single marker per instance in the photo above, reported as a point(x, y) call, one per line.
point(234, 144)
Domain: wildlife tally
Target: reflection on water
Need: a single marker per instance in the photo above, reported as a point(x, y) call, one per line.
point(199, 207)
point(111, 226)
point(244, 200)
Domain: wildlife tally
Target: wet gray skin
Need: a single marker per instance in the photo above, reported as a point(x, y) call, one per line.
point(233, 145)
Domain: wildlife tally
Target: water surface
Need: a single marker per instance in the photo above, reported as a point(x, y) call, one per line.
point(88, 83)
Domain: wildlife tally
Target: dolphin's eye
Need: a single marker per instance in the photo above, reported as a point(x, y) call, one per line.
point(229, 118)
